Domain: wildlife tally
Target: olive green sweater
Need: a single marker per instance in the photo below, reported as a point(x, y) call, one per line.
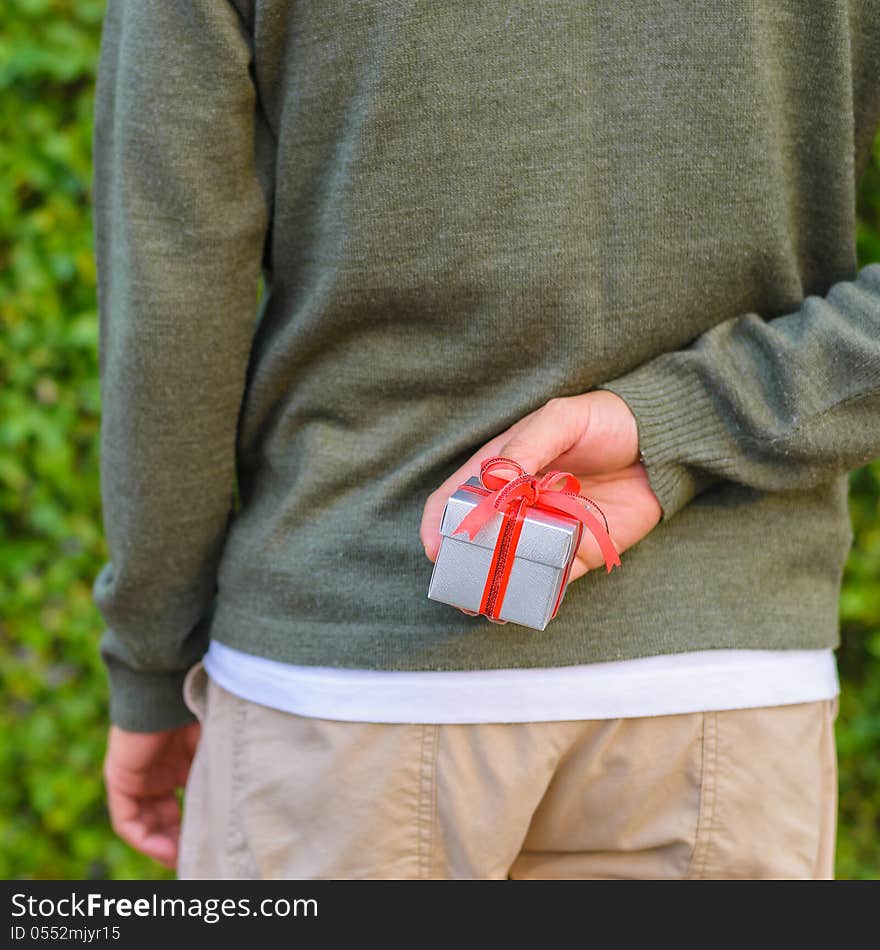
point(460, 210)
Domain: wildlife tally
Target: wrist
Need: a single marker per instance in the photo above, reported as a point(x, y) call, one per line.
point(620, 426)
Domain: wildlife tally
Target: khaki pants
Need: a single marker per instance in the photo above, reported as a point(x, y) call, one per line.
point(741, 794)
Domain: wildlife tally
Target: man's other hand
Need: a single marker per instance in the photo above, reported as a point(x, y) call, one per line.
point(593, 436)
point(141, 773)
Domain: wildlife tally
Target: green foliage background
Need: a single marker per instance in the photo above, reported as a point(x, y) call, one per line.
point(54, 718)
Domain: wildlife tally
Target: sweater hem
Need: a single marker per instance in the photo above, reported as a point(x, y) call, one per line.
point(352, 645)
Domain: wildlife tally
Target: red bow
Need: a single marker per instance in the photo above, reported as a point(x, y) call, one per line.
point(513, 496)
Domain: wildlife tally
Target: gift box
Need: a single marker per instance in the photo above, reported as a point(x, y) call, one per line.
point(507, 545)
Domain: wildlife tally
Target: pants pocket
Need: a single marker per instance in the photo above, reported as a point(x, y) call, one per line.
point(212, 843)
point(770, 794)
point(624, 802)
point(195, 691)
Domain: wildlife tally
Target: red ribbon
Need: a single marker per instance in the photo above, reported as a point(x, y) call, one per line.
point(512, 497)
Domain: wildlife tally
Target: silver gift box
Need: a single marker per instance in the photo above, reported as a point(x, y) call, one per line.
point(547, 546)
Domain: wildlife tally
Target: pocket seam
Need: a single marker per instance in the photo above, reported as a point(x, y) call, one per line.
point(427, 799)
point(236, 835)
point(708, 791)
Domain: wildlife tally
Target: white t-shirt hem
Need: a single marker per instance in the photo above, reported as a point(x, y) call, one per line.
point(651, 686)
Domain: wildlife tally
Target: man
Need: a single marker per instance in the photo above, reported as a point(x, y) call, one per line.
point(573, 234)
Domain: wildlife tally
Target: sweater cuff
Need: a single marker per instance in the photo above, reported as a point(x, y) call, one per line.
point(146, 702)
point(675, 419)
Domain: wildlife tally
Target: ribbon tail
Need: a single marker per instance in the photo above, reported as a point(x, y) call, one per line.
point(609, 552)
point(477, 516)
point(592, 523)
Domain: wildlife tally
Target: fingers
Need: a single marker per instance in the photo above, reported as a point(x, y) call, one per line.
point(476, 613)
point(141, 774)
point(548, 434)
point(590, 556)
point(150, 825)
point(429, 531)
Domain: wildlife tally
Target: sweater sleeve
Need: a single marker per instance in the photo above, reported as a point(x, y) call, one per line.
point(180, 216)
point(775, 404)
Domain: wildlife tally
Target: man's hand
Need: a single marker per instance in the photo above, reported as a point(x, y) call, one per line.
point(141, 772)
point(593, 436)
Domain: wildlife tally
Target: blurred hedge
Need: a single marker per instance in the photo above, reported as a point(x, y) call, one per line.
point(53, 722)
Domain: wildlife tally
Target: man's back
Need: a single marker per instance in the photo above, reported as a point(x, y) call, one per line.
point(462, 211)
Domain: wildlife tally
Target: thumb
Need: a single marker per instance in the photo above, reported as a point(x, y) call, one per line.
point(549, 433)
